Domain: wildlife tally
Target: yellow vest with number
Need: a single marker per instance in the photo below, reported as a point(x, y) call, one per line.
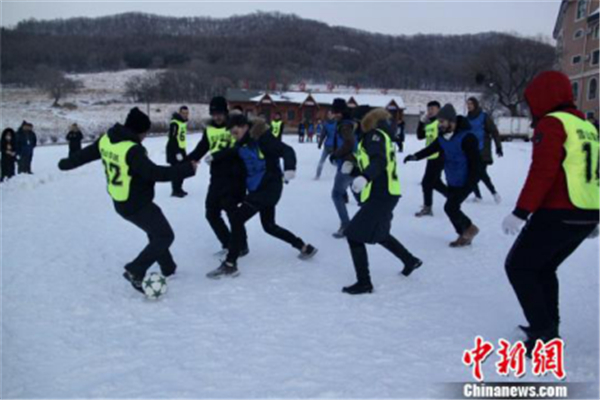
point(431, 134)
point(392, 176)
point(181, 133)
point(581, 161)
point(114, 158)
point(276, 128)
point(219, 139)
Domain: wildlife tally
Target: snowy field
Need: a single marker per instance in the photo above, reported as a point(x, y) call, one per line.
point(72, 327)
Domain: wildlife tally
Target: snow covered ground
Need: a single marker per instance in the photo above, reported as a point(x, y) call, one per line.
point(72, 327)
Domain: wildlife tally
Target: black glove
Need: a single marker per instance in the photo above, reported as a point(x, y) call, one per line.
point(411, 157)
point(499, 153)
point(333, 159)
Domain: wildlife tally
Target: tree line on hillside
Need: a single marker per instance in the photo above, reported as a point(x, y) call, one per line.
point(202, 57)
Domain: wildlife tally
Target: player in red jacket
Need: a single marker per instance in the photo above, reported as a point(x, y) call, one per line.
point(559, 202)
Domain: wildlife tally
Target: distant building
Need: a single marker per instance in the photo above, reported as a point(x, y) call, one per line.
point(297, 107)
point(576, 34)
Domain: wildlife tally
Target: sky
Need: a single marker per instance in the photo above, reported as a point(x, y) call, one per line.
point(529, 18)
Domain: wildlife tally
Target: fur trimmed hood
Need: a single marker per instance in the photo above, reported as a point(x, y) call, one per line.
point(258, 128)
point(373, 118)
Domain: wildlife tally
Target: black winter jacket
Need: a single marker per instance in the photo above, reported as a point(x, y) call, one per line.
point(144, 173)
point(173, 149)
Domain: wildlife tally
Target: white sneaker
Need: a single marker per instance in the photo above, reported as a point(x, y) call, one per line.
point(497, 198)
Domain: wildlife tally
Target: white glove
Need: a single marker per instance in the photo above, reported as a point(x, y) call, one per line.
point(594, 233)
point(512, 224)
point(179, 157)
point(347, 167)
point(208, 158)
point(359, 183)
point(289, 175)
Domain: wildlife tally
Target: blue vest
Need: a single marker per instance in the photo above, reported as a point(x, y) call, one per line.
point(255, 163)
point(331, 131)
point(478, 128)
point(456, 165)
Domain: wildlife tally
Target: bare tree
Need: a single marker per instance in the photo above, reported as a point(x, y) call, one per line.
point(55, 83)
point(507, 65)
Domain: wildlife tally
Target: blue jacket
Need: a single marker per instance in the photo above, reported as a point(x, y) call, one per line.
point(329, 129)
point(478, 127)
point(25, 142)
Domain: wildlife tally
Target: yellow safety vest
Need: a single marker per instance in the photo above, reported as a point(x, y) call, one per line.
point(363, 162)
point(582, 161)
point(219, 139)
point(114, 159)
point(276, 128)
point(181, 133)
point(431, 134)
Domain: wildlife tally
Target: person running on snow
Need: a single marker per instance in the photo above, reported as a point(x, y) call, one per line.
point(227, 187)
point(261, 154)
point(326, 140)
point(376, 180)
point(344, 146)
point(432, 179)
point(460, 149)
point(131, 176)
point(177, 145)
point(485, 129)
point(277, 126)
point(558, 203)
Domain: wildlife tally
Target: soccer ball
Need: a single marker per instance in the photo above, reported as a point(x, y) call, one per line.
point(154, 285)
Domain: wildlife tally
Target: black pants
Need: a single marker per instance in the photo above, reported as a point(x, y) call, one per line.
point(432, 180)
point(151, 220)
point(454, 199)
point(360, 259)
point(24, 164)
point(8, 167)
point(542, 246)
point(485, 178)
point(178, 184)
point(218, 202)
point(267, 218)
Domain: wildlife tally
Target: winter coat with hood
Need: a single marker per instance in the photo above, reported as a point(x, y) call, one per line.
point(470, 148)
point(490, 133)
point(373, 141)
point(144, 173)
point(546, 185)
point(175, 154)
point(260, 153)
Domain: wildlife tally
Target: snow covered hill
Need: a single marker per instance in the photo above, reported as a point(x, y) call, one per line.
point(72, 327)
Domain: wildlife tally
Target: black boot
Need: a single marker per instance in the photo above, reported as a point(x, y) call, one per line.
point(135, 281)
point(359, 288)
point(411, 266)
point(545, 335)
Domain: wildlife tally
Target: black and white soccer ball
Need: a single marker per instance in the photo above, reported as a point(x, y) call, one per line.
point(154, 285)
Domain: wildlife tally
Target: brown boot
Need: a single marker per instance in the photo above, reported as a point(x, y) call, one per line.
point(466, 238)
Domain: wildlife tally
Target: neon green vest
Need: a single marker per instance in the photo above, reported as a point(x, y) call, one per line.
point(431, 134)
point(181, 133)
point(363, 162)
point(581, 161)
point(276, 128)
point(114, 158)
point(219, 139)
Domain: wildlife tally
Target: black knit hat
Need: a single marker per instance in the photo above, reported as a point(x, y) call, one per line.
point(218, 105)
point(137, 121)
point(339, 106)
point(237, 119)
point(447, 113)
